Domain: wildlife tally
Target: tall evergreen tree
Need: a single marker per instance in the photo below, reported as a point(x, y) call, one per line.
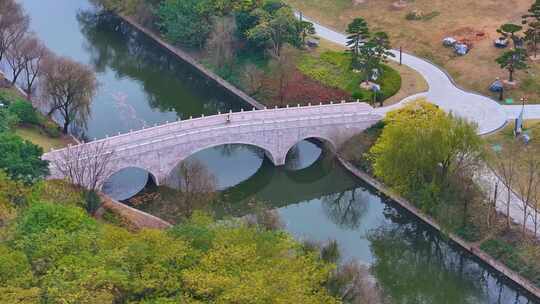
point(511, 30)
point(532, 20)
point(358, 33)
point(513, 60)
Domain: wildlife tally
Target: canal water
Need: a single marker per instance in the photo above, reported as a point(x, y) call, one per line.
point(317, 199)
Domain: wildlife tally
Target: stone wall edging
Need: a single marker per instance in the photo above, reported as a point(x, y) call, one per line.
point(190, 60)
point(148, 221)
point(472, 249)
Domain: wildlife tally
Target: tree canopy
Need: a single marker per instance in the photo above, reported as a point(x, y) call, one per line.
point(422, 148)
point(62, 255)
point(185, 22)
point(21, 160)
point(512, 61)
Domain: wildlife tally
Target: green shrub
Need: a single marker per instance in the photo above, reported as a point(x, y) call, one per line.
point(469, 232)
point(42, 216)
point(7, 120)
point(21, 159)
point(390, 81)
point(506, 253)
point(51, 128)
point(358, 95)
point(9, 96)
point(14, 268)
point(92, 201)
point(25, 112)
point(497, 248)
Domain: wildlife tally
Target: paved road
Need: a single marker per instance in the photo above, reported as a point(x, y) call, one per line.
point(487, 113)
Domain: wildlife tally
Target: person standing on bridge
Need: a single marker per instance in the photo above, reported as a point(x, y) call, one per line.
point(228, 118)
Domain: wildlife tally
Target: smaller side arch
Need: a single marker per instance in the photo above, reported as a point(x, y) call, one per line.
point(326, 141)
point(151, 174)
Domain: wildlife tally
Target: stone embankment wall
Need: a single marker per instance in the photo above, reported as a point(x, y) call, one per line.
point(190, 60)
point(136, 218)
point(472, 249)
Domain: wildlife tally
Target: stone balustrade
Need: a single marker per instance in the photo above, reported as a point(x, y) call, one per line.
point(161, 148)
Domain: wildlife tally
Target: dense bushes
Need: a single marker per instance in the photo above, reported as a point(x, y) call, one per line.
point(61, 255)
point(510, 255)
point(25, 112)
point(9, 96)
point(21, 159)
point(17, 110)
point(7, 120)
point(429, 157)
point(185, 22)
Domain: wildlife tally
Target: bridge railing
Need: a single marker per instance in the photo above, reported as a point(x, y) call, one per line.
point(244, 128)
point(237, 119)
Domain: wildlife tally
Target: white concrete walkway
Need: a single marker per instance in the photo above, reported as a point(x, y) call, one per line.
point(531, 111)
point(484, 111)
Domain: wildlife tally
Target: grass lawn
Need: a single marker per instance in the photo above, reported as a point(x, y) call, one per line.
point(475, 71)
point(319, 75)
point(332, 68)
point(411, 81)
point(37, 136)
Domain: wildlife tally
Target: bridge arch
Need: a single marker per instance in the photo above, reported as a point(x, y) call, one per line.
point(177, 158)
point(127, 181)
point(327, 141)
point(151, 174)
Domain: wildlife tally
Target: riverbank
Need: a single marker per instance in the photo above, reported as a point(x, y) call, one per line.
point(471, 248)
point(252, 76)
point(190, 60)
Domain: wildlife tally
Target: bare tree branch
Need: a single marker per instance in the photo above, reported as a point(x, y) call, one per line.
point(86, 165)
point(13, 25)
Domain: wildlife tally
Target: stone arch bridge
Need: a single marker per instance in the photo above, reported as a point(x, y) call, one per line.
point(160, 149)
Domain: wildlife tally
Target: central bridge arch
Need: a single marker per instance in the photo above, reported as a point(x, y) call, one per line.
point(180, 156)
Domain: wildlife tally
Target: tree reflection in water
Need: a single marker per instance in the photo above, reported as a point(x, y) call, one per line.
point(169, 83)
point(415, 265)
point(346, 208)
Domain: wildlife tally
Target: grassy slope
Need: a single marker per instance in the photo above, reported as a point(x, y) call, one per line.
point(38, 137)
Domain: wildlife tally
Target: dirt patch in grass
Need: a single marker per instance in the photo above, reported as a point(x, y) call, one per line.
point(475, 71)
point(303, 90)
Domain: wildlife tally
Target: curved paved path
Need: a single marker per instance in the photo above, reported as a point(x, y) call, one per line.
point(487, 113)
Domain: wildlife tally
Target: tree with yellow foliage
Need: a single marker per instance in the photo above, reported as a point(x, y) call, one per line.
point(422, 150)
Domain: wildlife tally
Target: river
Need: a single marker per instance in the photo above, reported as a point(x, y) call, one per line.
point(317, 199)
